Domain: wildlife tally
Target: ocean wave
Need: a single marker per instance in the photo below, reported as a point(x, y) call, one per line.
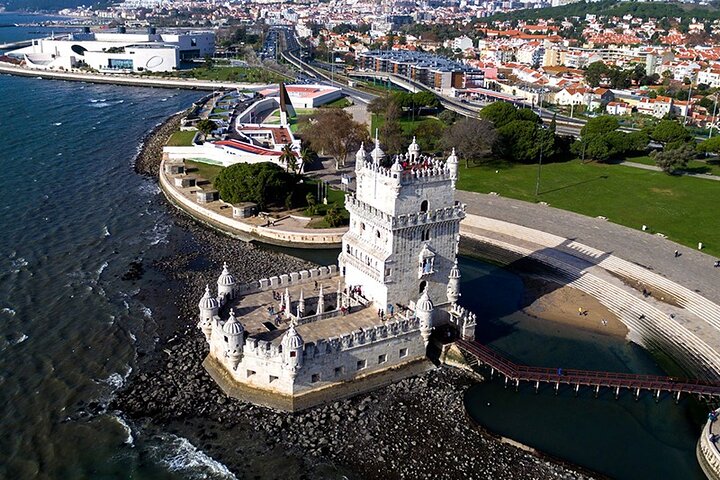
point(129, 440)
point(180, 455)
point(8, 311)
point(20, 339)
point(101, 269)
point(159, 233)
point(17, 264)
point(57, 124)
point(117, 380)
point(147, 313)
point(106, 232)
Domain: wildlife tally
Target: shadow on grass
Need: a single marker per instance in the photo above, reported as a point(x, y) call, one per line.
point(702, 169)
point(576, 184)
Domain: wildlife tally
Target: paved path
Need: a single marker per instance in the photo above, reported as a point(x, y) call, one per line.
point(692, 269)
point(658, 169)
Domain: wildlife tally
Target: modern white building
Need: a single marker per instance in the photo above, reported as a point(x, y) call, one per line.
point(117, 52)
point(314, 336)
point(306, 96)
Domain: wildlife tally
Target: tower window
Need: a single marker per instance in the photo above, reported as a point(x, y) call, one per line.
point(403, 352)
point(382, 358)
point(315, 378)
point(425, 235)
point(424, 206)
point(423, 284)
point(361, 364)
point(293, 354)
point(377, 233)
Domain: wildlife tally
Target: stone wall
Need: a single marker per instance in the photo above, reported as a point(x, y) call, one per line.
point(303, 239)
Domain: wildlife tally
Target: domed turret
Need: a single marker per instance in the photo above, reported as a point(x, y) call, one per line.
point(453, 288)
point(414, 150)
point(377, 154)
point(208, 307)
point(424, 312)
point(292, 349)
point(452, 163)
point(396, 166)
point(226, 283)
point(234, 338)
point(360, 157)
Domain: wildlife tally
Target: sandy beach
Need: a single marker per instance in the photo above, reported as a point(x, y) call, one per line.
point(551, 302)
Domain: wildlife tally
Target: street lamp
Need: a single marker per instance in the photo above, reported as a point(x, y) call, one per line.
point(537, 181)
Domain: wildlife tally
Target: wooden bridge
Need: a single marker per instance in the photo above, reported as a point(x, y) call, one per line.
point(515, 374)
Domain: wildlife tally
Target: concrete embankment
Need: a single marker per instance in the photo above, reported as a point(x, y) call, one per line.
point(661, 315)
point(127, 80)
point(306, 238)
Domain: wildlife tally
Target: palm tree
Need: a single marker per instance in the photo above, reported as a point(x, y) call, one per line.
point(288, 158)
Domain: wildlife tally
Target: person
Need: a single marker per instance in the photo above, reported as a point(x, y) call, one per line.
point(677, 254)
point(717, 263)
point(560, 372)
point(641, 317)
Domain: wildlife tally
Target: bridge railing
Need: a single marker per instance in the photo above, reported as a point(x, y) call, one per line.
point(585, 377)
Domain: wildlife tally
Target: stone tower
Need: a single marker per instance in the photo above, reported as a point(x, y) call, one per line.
point(404, 228)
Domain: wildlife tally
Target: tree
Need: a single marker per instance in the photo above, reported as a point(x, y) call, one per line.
point(599, 126)
point(471, 138)
point(499, 113)
point(378, 105)
point(523, 140)
point(711, 145)
point(262, 183)
point(206, 126)
point(333, 216)
point(670, 132)
point(289, 158)
point(333, 130)
point(448, 117)
point(674, 159)
point(595, 72)
point(392, 136)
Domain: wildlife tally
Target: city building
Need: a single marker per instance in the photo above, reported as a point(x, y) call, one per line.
point(314, 336)
point(431, 70)
point(117, 52)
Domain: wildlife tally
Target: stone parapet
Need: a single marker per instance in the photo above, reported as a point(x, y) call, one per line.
point(707, 451)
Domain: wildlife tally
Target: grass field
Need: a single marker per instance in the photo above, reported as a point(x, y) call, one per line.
point(407, 123)
point(231, 74)
point(205, 170)
point(683, 208)
point(339, 103)
point(181, 138)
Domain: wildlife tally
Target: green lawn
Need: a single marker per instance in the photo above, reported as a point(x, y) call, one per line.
point(181, 138)
point(341, 102)
point(407, 123)
point(231, 74)
point(710, 166)
point(205, 170)
point(333, 196)
point(683, 208)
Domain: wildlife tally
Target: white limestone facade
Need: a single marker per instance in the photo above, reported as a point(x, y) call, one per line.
point(313, 336)
point(404, 227)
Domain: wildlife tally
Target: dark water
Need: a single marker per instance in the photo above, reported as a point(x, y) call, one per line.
point(623, 438)
point(74, 215)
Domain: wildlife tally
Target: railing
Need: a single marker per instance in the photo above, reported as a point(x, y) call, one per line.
point(518, 373)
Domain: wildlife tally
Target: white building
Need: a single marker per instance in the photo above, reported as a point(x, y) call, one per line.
point(338, 335)
point(113, 52)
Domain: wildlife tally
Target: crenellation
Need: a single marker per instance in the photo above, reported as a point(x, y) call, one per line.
point(399, 253)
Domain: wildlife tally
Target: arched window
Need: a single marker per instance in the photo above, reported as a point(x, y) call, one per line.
point(423, 284)
point(424, 206)
point(377, 233)
point(425, 235)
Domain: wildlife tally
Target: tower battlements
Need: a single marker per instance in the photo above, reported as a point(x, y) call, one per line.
point(323, 329)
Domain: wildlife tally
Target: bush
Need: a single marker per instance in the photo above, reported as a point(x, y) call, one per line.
point(262, 183)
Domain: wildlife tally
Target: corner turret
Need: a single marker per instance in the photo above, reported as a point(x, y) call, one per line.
point(424, 311)
point(414, 150)
point(208, 307)
point(233, 339)
point(453, 288)
point(360, 157)
point(377, 154)
point(292, 350)
point(226, 284)
point(452, 164)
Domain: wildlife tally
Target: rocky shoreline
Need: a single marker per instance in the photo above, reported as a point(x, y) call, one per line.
point(416, 428)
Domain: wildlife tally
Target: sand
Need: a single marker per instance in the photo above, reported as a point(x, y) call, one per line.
point(560, 304)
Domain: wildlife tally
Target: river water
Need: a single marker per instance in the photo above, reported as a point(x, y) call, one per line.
point(74, 215)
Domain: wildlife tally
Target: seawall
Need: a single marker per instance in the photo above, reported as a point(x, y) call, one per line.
point(322, 238)
point(126, 80)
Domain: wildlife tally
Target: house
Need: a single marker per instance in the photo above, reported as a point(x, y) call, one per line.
point(618, 108)
point(571, 96)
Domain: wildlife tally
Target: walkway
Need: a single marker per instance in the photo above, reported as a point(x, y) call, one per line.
point(693, 269)
point(557, 376)
point(655, 168)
